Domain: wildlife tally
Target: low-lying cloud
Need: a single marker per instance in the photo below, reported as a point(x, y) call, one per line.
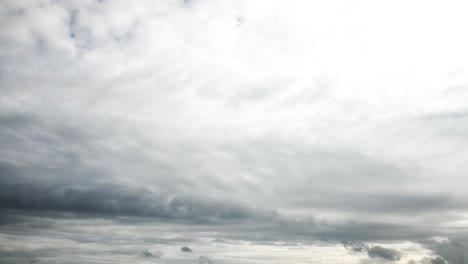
point(453, 250)
point(186, 249)
point(151, 253)
point(374, 251)
point(385, 253)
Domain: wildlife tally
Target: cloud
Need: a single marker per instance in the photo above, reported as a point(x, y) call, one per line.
point(67, 179)
point(437, 260)
point(355, 247)
point(453, 250)
point(426, 260)
point(373, 252)
point(186, 249)
point(384, 253)
point(204, 260)
point(152, 254)
point(120, 200)
point(315, 126)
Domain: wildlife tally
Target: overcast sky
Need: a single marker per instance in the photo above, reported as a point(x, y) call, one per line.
point(249, 131)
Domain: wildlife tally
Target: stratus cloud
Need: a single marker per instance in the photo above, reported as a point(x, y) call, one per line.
point(120, 200)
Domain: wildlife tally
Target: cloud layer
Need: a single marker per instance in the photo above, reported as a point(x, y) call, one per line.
point(264, 122)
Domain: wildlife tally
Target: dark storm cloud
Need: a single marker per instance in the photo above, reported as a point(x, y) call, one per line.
point(257, 228)
point(63, 167)
point(73, 185)
point(119, 200)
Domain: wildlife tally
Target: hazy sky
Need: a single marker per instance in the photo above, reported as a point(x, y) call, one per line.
point(249, 131)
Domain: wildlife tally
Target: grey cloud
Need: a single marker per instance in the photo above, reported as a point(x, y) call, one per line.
point(148, 111)
point(74, 186)
point(442, 124)
point(152, 254)
point(355, 246)
point(258, 230)
point(453, 250)
point(373, 252)
point(119, 200)
point(427, 260)
point(411, 203)
point(204, 260)
point(169, 241)
point(61, 166)
point(74, 16)
point(186, 249)
point(385, 253)
point(287, 228)
point(437, 260)
point(72, 183)
point(37, 187)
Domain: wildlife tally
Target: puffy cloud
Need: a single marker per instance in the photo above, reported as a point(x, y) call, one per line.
point(186, 249)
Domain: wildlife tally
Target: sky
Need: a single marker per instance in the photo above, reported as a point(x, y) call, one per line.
point(233, 131)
